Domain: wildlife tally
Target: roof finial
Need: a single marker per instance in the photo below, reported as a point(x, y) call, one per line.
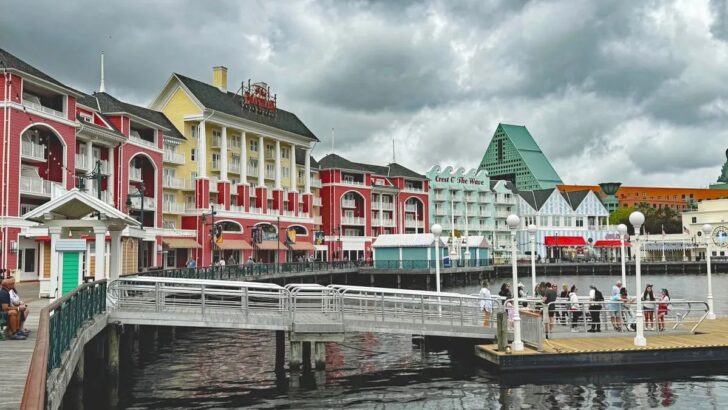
point(333, 140)
point(394, 157)
point(102, 87)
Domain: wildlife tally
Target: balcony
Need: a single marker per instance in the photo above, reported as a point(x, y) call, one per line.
point(439, 197)
point(440, 211)
point(471, 198)
point(82, 163)
point(388, 206)
point(172, 208)
point(317, 201)
point(410, 208)
point(173, 183)
point(216, 141)
point(352, 220)
point(135, 174)
point(413, 223)
point(150, 204)
point(234, 167)
point(413, 189)
point(270, 173)
point(348, 203)
point(33, 102)
point(33, 151)
point(213, 184)
point(105, 196)
point(136, 138)
point(352, 182)
point(270, 154)
point(316, 183)
point(173, 158)
point(502, 214)
point(35, 186)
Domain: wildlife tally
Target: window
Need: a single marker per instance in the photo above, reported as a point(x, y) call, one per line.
point(215, 160)
point(500, 150)
point(169, 198)
point(193, 175)
point(254, 145)
point(285, 153)
point(694, 219)
point(86, 118)
point(286, 172)
point(567, 221)
point(172, 258)
point(190, 201)
point(556, 220)
point(193, 154)
point(579, 222)
point(169, 173)
point(28, 260)
point(194, 131)
point(234, 141)
point(270, 170)
point(253, 165)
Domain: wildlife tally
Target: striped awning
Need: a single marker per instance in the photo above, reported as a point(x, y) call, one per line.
point(564, 241)
point(181, 243)
point(302, 246)
point(234, 244)
point(271, 246)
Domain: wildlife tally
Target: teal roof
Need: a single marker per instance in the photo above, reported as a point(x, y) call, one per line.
point(532, 155)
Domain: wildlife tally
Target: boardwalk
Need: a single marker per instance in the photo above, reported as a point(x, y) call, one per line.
point(16, 354)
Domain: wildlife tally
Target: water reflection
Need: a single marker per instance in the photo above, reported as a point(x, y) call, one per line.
point(208, 369)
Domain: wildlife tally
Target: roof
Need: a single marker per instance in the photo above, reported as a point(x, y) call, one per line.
point(564, 241)
point(537, 197)
point(230, 103)
point(477, 241)
point(8, 60)
point(531, 153)
point(391, 170)
point(108, 104)
point(301, 159)
point(406, 240)
point(113, 128)
point(575, 198)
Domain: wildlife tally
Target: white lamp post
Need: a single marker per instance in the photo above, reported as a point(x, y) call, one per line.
point(532, 229)
point(637, 219)
point(513, 221)
point(622, 229)
point(707, 232)
point(436, 230)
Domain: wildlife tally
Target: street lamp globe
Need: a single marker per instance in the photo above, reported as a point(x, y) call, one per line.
point(637, 218)
point(707, 229)
point(622, 229)
point(513, 221)
point(436, 230)
point(532, 229)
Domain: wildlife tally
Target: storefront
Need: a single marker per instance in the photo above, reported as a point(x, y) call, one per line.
point(565, 248)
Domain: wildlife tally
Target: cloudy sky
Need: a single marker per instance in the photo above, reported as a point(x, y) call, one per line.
point(630, 91)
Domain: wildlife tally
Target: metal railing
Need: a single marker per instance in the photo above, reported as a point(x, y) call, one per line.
point(32, 150)
point(424, 264)
point(253, 270)
point(58, 326)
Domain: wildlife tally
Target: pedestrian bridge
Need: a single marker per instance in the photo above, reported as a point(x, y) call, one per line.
point(297, 308)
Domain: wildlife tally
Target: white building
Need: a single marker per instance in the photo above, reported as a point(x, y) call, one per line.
point(568, 222)
point(714, 212)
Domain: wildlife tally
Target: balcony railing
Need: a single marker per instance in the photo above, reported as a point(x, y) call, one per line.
point(42, 108)
point(352, 220)
point(352, 182)
point(439, 197)
point(135, 174)
point(440, 211)
point(82, 163)
point(234, 167)
point(413, 189)
point(413, 223)
point(137, 139)
point(149, 203)
point(270, 154)
point(348, 203)
point(317, 201)
point(270, 173)
point(173, 157)
point(410, 208)
point(31, 150)
point(172, 207)
point(216, 141)
point(173, 183)
point(316, 183)
point(105, 196)
point(35, 186)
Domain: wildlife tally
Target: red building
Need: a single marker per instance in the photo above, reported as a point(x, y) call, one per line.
point(361, 201)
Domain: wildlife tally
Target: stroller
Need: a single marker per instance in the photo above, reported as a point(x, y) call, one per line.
point(629, 320)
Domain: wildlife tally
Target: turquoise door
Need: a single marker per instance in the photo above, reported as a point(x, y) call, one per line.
point(69, 269)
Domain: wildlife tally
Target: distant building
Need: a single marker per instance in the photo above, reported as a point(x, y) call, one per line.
point(714, 212)
point(515, 156)
point(362, 201)
point(471, 204)
point(568, 223)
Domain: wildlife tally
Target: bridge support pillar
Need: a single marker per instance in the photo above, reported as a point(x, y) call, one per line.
point(112, 365)
point(294, 362)
point(399, 281)
point(319, 349)
point(306, 356)
point(280, 349)
point(74, 396)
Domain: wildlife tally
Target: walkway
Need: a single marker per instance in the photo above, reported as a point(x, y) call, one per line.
point(16, 354)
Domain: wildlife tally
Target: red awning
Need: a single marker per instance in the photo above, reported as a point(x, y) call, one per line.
point(609, 243)
point(564, 241)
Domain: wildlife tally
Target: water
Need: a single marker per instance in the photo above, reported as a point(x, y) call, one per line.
point(205, 369)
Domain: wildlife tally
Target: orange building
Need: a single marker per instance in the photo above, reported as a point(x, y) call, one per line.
point(656, 197)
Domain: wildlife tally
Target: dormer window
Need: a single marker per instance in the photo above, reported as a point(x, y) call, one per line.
point(86, 118)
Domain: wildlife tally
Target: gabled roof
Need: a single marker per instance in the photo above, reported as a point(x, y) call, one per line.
point(531, 153)
point(9, 61)
point(91, 125)
point(575, 198)
point(393, 170)
point(230, 103)
point(301, 159)
point(108, 104)
point(537, 197)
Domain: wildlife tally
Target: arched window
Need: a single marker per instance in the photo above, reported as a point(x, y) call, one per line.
point(230, 226)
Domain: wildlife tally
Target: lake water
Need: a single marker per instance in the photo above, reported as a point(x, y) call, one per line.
point(205, 369)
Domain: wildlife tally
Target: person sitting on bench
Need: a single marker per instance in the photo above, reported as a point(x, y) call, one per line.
point(11, 311)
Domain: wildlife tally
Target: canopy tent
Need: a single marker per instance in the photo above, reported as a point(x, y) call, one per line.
point(561, 241)
point(610, 243)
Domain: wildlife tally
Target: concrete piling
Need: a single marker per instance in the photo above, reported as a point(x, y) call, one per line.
point(294, 362)
point(320, 355)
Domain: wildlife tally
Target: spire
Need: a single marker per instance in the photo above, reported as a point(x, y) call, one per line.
point(102, 88)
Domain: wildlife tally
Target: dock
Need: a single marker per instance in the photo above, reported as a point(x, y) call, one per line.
point(708, 345)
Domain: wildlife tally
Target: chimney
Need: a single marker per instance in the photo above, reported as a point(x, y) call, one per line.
point(219, 78)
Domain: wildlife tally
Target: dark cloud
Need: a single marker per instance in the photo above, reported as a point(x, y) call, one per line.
point(617, 90)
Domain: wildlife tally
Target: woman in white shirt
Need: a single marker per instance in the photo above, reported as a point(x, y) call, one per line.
point(486, 303)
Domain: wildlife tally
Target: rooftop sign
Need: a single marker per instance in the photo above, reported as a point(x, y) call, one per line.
point(257, 98)
point(460, 180)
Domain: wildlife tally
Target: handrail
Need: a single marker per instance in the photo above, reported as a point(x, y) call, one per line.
point(41, 364)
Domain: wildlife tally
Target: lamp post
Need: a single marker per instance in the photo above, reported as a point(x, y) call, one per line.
point(707, 232)
point(213, 228)
point(637, 219)
point(513, 221)
point(622, 229)
point(436, 230)
point(139, 194)
point(532, 230)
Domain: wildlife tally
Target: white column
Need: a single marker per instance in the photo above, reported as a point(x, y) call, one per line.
point(307, 171)
point(223, 155)
point(261, 161)
point(115, 255)
point(278, 165)
point(112, 176)
point(89, 163)
point(202, 150)
point(243, 159)
point(100, 252)
point(55, 285)
point(294, 170)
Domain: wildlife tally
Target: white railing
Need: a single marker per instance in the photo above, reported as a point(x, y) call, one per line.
point(413, 189)
point(352, 220)
point(502, 214)
point(413, 223)
point(387, 222)
point(388, 206)
point(188, 185)
point(234, 167)
point(410, 208)
point(216, 164)
point(317, 201)
point(173, 157)
point(149, 203)
point(35, 186)
point(352, 182)
point(105, 195)
point(375, 205)
point(316, 183)
point(440, 211)
point(270, 173)
point(439, 197)
point(216, 141)
point(135, 174)
point(137, 139)
point(42, 108)
point(32, 150)
point(81, 162)
point(348, 203)
point(252, 171)
point(237, 208)
point(173, 207)
point(172, 182)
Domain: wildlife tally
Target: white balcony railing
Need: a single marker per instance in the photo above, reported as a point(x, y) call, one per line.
point(410, 208)
point(135, 174)
point(352, 220)
point(316, 183)
point(35, 186)
point(42, 108)
point(348, 203)
point(439, 197)
point(352, 182)
point(134, 137)
point(173, 207)
point(234, 167)
point(173, 183)
point(31, 150)
point(173, 157)
point(270, 173)
point(413, 189)
point(413, 223)
point(440, 211)
point(317, 201)
point(105, 195)
point(81, 162)
point(216, 141)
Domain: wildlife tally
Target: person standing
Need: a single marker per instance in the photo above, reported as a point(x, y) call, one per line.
point(662, 309)
point(575, 309)
point(191, 263)
point(486, 303)
point(648, 307)
point(549, 299)
point(595, 309)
